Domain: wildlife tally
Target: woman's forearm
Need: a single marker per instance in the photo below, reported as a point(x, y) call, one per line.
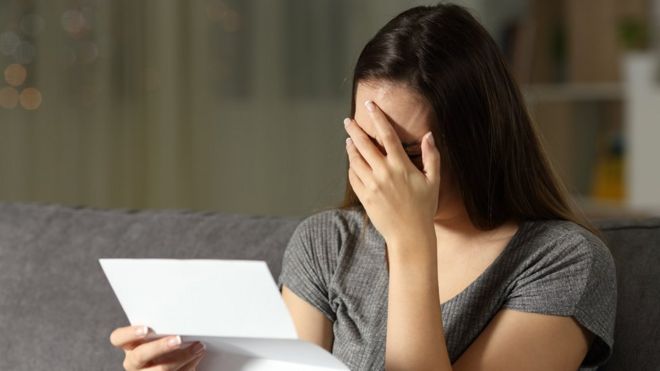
point(415, 337)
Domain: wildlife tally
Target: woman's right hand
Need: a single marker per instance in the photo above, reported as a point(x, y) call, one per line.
point(162, 354)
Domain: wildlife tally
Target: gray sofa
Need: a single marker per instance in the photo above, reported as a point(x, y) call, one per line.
point(57, 309)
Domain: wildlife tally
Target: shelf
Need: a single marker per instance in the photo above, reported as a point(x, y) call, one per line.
point(595, 208)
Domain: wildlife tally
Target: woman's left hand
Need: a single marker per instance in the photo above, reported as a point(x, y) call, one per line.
point(400, 200)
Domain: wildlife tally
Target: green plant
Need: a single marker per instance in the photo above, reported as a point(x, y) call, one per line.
point(633, 33)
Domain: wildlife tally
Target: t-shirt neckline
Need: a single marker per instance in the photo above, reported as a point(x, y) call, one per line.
point(507, 249)
point(514, 241)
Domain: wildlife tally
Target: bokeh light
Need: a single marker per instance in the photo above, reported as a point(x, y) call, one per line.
point(73, 21)
point(8, 97)
point(15, 74)
point(24, 53)
point(9, 42)
point(30, 98)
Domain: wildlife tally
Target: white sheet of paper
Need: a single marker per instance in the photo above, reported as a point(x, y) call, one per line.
point(233, 306)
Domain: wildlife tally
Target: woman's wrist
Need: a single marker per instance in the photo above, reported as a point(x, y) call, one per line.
point(415, 247)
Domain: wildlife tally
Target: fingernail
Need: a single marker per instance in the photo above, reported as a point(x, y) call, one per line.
point(349, 140)
point(431, 141)
point(370, 105)
point(346, 121)
point(174, 341)
point(142, 330)
point(198, 348)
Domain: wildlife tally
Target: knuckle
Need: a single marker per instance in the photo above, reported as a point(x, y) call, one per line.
point(398, 170)
point(385, 173)
point(388, 137)
point(137, 358)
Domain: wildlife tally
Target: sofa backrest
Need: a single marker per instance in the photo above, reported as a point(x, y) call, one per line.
point(635, 246)
point(57, 308)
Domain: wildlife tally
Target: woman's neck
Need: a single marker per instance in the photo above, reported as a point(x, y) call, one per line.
point(453, 226)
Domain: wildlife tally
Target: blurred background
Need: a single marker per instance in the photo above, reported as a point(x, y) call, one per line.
point(236, 105)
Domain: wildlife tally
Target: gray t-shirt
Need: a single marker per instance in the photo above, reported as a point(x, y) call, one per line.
point(552, 267)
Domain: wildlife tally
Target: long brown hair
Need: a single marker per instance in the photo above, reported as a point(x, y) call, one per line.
point(484, 133)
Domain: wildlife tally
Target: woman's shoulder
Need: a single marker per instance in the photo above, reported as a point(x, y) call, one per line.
point(334, 220)
point(336, 232)
point(566, 240)
point(556, 256)
point(562, 256)
point(564, 269)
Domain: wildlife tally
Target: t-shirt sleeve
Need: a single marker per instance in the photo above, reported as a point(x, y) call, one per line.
point(307, 262)
point(573, 276)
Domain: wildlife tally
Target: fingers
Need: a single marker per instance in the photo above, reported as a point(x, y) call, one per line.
point(356, 183)
point(193, 363)
point(431, 158)
point(144, 353)
point(385, 131)
point(125, 337)
point(181, 359)
point(357, 163)
point(362, 142)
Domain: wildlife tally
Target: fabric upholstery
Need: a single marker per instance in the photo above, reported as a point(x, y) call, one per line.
point(635, 246)
point(57, 309)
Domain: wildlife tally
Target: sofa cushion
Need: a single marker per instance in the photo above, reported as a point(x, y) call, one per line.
point(56, 307)
point(635, 246)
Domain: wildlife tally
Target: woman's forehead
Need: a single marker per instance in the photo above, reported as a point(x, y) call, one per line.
point(409, 113)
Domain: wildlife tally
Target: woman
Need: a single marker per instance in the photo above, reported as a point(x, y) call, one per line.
point(463, 255)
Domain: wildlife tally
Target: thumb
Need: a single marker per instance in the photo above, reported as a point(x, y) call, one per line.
point(430, 158)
